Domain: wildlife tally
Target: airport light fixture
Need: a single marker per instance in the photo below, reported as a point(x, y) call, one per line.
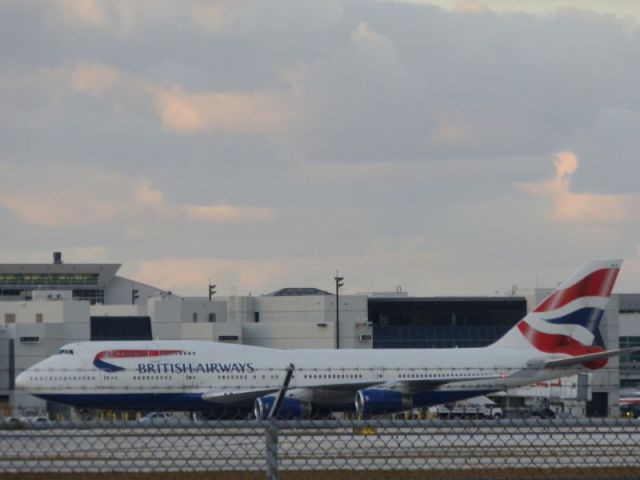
point(339, 283)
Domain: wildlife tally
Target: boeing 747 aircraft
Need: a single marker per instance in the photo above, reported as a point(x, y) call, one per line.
point(558, 338)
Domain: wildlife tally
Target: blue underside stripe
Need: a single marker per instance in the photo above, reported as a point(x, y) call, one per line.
point(135, 401)
point(193, 401)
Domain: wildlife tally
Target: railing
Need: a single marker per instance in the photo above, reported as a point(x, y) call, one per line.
point(324, 449)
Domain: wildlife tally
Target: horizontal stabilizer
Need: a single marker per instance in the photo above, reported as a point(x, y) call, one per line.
point(589, 357)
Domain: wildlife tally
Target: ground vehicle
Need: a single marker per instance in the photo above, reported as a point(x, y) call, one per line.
point(544, 412)
point(480, 407)
point(19, 422)
point(157, 418)
point(630, 410)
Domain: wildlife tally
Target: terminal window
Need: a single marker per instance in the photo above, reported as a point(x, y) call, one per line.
point(9, 318)
point(442, 323)
point(93, 296)
point(120, 328)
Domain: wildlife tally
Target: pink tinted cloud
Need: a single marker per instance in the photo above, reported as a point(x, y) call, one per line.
point(195, 273)
point(46, 197)
point(228, 213)
point(581, 208)
point(187, 113)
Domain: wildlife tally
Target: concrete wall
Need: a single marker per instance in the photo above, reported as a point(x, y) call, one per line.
point(63, 322)
point(119, 291)
point(173, 317)
point(307, 322)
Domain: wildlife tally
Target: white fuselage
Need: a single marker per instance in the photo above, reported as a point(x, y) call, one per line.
point(176, 374)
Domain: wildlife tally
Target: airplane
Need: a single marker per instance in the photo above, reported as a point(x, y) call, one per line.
point(560, 337)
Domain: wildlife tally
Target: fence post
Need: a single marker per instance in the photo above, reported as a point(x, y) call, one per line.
point(271, 442)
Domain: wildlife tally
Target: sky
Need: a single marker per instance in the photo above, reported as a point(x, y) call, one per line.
point(440, 147)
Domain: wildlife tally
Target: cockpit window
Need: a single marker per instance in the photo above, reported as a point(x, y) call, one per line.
point(65, 351)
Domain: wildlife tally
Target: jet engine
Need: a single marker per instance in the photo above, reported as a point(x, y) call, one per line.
point(290, 407)
point(372, 401)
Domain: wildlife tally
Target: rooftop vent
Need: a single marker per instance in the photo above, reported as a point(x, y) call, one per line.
point(57, 258)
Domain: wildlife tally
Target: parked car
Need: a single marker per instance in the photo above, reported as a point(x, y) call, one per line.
point(25, 421)
point(157, 418)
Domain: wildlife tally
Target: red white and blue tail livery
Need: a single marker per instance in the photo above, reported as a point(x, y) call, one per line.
point(560, 337)
point(568, 320)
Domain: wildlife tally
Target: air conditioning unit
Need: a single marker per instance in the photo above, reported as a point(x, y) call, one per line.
point(29, 339)
point(227, 338)
point(365, 337)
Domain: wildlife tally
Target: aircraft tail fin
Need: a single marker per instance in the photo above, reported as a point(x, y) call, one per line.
point(568, 320)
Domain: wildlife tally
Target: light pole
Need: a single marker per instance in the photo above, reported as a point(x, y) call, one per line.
point(339, 283)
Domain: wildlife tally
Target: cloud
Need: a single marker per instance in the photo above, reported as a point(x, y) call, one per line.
point(581, 208)
point(177, 114)
point(188, 113)
point(88, 13)
point(379, 265)
point(301, 129)
point(471, 6)
point(190, 274)
point(95, 79)
point(46, 197)
point(228, 213)
point(145, 194)
point(219, 16)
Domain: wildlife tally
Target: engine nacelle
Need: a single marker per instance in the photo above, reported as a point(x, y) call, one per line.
point(372, 401)
point(290, 408)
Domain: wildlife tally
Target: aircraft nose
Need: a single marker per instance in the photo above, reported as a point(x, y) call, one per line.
point(22, 381)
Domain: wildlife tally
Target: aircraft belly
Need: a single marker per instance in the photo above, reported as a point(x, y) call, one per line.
point(135, 401)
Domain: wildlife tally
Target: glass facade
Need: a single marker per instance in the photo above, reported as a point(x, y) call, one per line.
point(442, 322)
point(628, 342)
point(120, 328)
point(92, 295)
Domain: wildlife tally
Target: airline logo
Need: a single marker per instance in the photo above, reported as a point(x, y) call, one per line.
point(100, 363)
point(568, 320)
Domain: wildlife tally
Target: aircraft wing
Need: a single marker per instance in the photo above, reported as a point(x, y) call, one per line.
point(589, 357)
point(340, 390)
point(236, 397)
point(421, 385)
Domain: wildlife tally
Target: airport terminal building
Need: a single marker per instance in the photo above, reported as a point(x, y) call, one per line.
point(45, 306)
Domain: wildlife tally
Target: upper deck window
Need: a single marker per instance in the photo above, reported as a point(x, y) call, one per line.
point(65, 351)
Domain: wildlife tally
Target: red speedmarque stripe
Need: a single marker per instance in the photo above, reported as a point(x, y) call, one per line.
point(134, 353)
point(596, 284)
point(555, 343)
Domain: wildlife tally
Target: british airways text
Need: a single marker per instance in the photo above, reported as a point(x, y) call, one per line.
point(146, 368)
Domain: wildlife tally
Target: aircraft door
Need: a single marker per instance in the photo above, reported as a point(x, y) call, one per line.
point(154, 375)
point(188, 375)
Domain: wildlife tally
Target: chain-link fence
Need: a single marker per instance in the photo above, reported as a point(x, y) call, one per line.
point(336, 449)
